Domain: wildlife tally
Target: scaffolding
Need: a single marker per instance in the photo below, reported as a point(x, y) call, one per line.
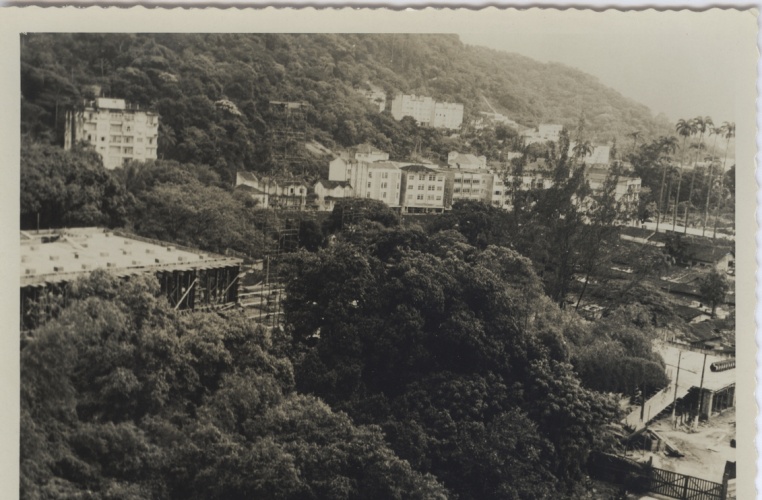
point(288, 126)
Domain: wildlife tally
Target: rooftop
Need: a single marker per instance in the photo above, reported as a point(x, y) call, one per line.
point(419, 168)
point(333, 184)
point(65, 254)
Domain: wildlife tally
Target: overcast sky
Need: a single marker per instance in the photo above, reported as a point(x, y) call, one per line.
point(681, 64)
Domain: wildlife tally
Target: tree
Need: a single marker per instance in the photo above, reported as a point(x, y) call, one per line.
point(714, 287)
point(443, 347)
point(685, 128)
point(730, 132)
point(701, 124)
point(68, 188)
point(121, 397)
point(716, 131)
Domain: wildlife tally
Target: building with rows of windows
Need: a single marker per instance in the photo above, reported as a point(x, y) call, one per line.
point(118, 131)
point(423, 189)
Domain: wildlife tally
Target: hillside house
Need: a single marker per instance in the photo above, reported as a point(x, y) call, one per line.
point(466, 161)
point(273, 192)
point(328, 192)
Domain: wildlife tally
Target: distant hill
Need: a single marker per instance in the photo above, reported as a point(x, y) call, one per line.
point(190, 79)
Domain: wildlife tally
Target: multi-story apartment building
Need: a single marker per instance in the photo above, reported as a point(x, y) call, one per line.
point(119, 131)
point(544, 133)
point(379, 180)
point(428, 112)
point(448, 115)
point(423, 189)
point(467, 184)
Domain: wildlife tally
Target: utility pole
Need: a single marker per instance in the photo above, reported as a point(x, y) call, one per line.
point(701, 394)
point(674, 399)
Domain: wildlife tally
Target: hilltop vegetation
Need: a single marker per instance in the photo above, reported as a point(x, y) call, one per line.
point(213, 90)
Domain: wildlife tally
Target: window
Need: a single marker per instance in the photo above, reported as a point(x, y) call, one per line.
point(150, 140)
point(383, 195)
point(398, 185)
point(458, 181)
point(431, 187)
point(466, 181)
point(498, 193)
point(419, 197)
point(432, 177)
point(456, 190)
point(128, 140)
point(440, 178)
point(129, 128)
point(439, 198)
point(411, 177)
point(103, 139)
point(383, 185)
point(127, 151)
point(476, 181)
point(385, 175)
point(370, 175)
point(429, 197)
point(369, 185)
point(421, 177)
point(439, 188)
point(420, 187)
point(89, 137)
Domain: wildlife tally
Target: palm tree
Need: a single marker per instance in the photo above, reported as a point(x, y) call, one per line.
point(729, 129)
point(715, 131)
point(701, 123)
point(685, 128)
point(582, 149)
point(667, 147)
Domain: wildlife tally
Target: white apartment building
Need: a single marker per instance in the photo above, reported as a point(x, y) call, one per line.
point(427, 112)
point(448, 115)
point(380, 180)
point(544, 133)
point(119, 131)
point(423, 190)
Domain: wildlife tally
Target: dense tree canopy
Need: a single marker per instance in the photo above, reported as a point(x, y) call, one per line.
point(451, 350)
point(122, 398)
point(212, 91)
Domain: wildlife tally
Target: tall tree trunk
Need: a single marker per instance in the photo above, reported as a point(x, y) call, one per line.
point(709, 188)
point(693, 179)
point(679, 182)
point(720, 193)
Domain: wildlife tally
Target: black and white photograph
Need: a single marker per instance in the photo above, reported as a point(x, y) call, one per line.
point(326, 255)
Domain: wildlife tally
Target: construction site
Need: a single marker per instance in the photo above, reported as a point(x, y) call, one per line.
point(189, 278)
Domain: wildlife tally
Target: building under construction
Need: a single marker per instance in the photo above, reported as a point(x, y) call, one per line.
point(190, 279)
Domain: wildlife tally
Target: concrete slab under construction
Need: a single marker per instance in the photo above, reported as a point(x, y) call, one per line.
point(189, 278)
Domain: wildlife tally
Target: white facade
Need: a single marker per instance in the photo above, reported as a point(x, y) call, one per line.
point(544, 133)
point(426, 111)
point(423, 189)
point(447, 115)
point(118, 132)
point(374, 180)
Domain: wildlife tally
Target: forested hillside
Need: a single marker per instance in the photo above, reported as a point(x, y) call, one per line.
point(213, 91)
